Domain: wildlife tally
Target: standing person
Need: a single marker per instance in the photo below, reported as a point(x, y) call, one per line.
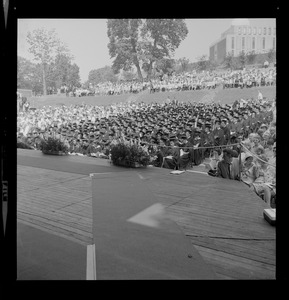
point(218, 134)
point(260, 96)
point(226, 130)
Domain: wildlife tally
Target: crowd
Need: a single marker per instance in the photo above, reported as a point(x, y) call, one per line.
point(245, 78)
point(176, 135)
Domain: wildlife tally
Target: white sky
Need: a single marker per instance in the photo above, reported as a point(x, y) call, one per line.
point(87, 39)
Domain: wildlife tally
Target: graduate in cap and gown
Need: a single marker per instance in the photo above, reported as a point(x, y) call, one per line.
point(171, 160)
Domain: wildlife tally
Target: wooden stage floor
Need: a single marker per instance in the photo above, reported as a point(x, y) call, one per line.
point(223, 219)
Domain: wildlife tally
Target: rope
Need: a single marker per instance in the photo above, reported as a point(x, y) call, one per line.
point(254, 155)
point(193, 147)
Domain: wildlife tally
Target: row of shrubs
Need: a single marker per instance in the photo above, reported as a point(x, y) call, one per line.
point(121, 154)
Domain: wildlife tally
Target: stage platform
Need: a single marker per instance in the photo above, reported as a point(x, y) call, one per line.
point(221, 219)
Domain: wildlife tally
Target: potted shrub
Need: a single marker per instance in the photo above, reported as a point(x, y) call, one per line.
point(54, 146)
point(126, 155)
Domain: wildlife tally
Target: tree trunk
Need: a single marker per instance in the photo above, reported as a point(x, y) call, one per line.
point(139, 71)
point(44, 81)
point(150, 69)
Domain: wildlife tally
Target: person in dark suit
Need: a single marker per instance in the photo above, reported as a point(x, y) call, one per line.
point(224, 166)
point(226, 130)
point(218, 133)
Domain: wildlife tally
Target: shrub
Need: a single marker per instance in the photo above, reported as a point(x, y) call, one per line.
point(53, 144)
point(23, 145)
point(129, 155)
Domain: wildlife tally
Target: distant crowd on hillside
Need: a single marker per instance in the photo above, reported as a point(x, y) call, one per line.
point(246, 78)
point(191, 81)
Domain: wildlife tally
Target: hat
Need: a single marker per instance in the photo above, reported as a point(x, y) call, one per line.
point(248, 155)
point(263, 125)
point(231, 152)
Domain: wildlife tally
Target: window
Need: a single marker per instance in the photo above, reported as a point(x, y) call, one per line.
point(264, 39)
point(243, 43)
point(274, 43)
point(239, 31)
point(244, 30)
point(269, 30)
point(233, 42)
point(253, 43)
point(254, 30)
point(274, 33)
point(249, 30)
point(264, 31)
point(260, 30)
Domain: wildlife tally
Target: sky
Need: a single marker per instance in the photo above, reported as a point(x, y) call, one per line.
point(87, 39)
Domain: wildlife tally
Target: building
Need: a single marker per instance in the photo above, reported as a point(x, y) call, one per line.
point(258, 35)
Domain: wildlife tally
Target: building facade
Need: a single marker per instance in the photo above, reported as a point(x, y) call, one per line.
point(258, 35)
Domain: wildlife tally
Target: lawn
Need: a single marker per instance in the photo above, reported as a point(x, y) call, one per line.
point(225, 96)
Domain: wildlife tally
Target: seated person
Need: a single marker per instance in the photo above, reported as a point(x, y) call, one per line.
point(214, 159)
point(258, 151)
point(265, 184)
point(160, 153)
point(249, 170)
point(184, 159)
point(224, 166)
point(170, 161)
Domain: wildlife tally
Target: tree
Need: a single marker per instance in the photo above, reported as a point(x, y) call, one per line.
point(73, 78)
point(43, 45)
point(123, 43)
point(25, 72)
point(251, 57)
point(229, 61)
point(165, 65)
point(202, 62)
point(184, 64)
point(29, 75)
point(102, 75)
point(62, 71)
point(160, 38)
point(271, 55)
point(242, 59)
point(136, 42)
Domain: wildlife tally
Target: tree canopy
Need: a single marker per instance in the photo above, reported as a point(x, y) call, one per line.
point(54, 58)
point(142, 42)
point(101, 75)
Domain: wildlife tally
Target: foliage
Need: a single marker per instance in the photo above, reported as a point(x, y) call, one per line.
point(142, 42)
point(101, 75)
point(165, 65)
point(271, 55)
point(251, 57)
point(53, 144)
point(122, 153)
point(203, 63)
point(242, 59)
point(29, 75)
point(23, 145)
point(184, 64)
point(53, 57)
point(228, 61)
point(62, 71)
point(128, 75)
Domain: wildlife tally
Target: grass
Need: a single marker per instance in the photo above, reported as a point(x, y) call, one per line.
point(224, 96)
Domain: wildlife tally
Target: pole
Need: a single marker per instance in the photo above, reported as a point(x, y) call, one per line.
point(240, 165)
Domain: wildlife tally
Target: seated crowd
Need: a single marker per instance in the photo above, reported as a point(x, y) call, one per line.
point(177, 135)
point(190, 81)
